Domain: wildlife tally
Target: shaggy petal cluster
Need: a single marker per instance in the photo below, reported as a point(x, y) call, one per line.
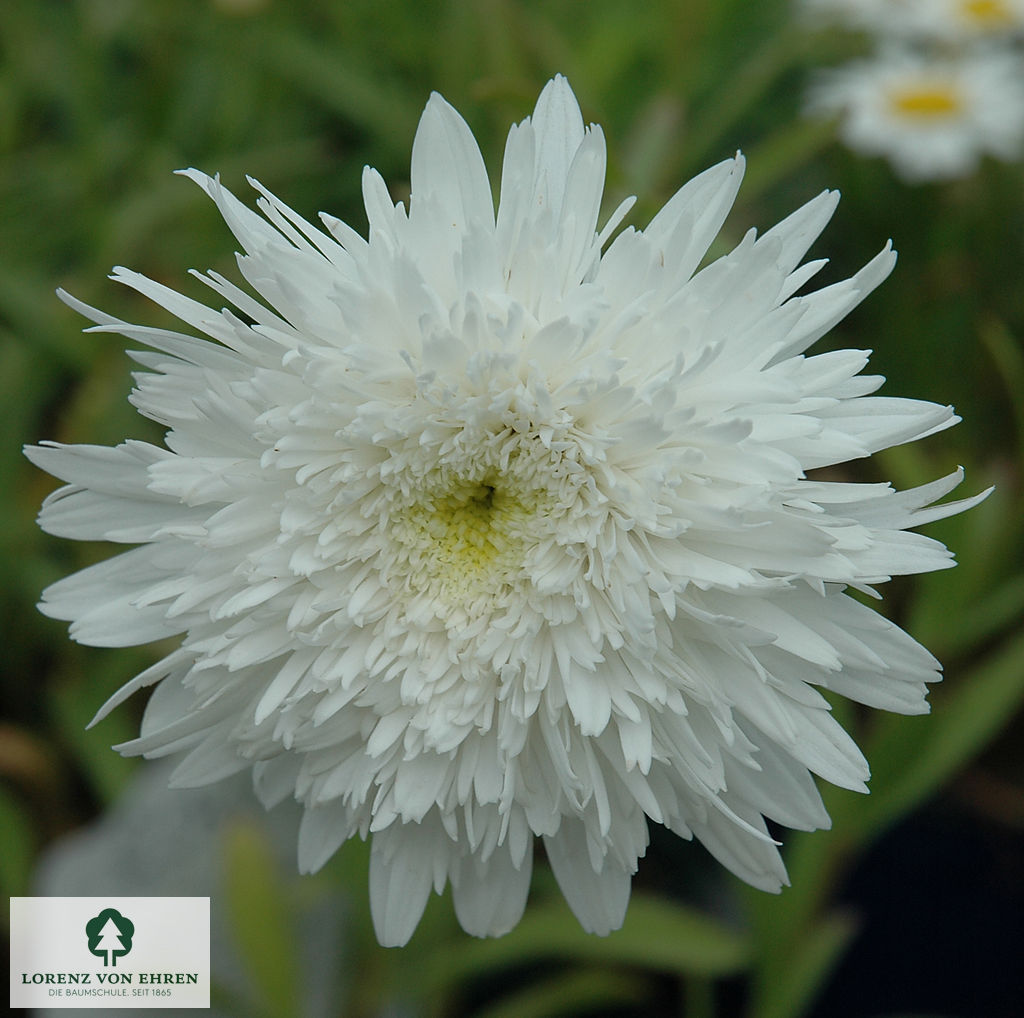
point(486, 527)
point(932, 116)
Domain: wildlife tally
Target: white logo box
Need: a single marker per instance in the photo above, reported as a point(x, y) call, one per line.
point(137, 952)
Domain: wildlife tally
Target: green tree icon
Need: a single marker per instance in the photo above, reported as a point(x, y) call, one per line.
point(110, 935)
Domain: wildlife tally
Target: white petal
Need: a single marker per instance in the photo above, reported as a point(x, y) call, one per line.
point(403, 866)
point(755, 860)
point(321, 833)
point(448, 167)
point(685, 227)
point(212, 760)
point(558, 129)
point(490, 897)
point(598, 899)
point(801, 228)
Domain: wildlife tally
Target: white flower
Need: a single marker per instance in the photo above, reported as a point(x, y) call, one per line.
point(475, 534)
point(951, 21)
point(931, 117)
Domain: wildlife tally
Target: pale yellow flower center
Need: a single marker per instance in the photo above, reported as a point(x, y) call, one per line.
point(926, 101)
point(467, 541)
point(988, 13)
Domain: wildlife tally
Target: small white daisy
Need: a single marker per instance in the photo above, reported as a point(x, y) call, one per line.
point(473, 533)
point(933, 118)
point(946, 20)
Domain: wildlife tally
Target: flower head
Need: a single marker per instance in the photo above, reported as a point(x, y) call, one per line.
point(484, 528)
point(949, 21)
point(932, 117)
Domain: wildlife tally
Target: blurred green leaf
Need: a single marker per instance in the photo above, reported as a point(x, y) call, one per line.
point(787, 990)
point(910, 759)
point(658, 935)
point(17, 846)
point(991, 614)
point(784, 153)
point(74, 704)
point(741, 91)
point(568, 994)
point(262, 921)
point(356, 87)
point(652, 137)
point(1009, 359)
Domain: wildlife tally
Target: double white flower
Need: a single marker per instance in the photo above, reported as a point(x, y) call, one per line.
point(474, 533)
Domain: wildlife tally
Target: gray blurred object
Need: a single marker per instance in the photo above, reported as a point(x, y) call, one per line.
point(166, 842)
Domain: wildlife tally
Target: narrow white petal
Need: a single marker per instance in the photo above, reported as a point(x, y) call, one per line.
point(598, 898)
point(558, 127)
point(755, 860)
point(321, 832)
point(448, 167)
point(401, 874)
point(490, 897)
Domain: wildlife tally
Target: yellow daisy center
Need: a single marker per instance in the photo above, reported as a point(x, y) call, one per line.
point(987, 13)
point(927, 101)
point(467, 541)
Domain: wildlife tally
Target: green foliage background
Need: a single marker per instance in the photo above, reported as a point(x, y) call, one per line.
point(101, 99)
